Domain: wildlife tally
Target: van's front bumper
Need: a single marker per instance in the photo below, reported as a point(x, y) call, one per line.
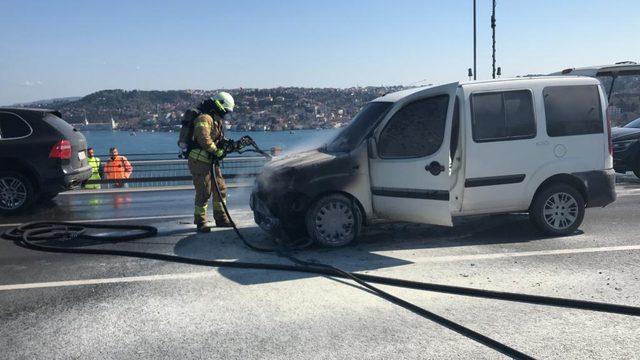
point(600, 185)
point(262, 215)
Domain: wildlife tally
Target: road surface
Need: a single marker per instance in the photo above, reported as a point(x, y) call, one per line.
point(83, 306)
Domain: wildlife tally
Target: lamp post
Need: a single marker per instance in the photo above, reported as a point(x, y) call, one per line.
point(493, 35)
point(475, 68)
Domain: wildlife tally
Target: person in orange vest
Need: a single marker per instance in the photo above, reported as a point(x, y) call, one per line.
point(118, 167)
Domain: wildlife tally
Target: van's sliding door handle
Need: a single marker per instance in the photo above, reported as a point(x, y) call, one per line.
point(434, 168)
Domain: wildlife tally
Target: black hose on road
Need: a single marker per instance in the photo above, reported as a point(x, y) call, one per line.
point(29, 235)
point(39, 235)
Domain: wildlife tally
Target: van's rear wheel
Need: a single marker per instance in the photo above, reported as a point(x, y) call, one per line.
point(16, 192)
point(558, 210)
point(333, 221)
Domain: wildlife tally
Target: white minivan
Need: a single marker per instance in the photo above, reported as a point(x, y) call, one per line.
point(430, 155)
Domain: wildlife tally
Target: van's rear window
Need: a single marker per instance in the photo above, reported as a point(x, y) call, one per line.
point(573, 110)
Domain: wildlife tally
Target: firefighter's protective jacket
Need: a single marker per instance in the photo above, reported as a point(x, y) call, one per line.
point(207, 132)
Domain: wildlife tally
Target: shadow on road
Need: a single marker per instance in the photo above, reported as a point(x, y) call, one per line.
point(363, 256)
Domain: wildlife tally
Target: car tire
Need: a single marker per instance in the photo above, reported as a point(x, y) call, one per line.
point(333, 221)
point(558, 210)
point(16, 192)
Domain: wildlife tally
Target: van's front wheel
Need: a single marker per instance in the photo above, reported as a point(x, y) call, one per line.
point(558, 210)
point(333, 220)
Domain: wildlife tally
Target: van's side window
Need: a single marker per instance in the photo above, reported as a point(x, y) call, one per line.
point(499, 116)
point(12, 126)
point(572, 110)
point(416, 130)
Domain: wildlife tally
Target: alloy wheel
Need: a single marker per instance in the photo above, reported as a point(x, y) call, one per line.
point(13, 193)
point(560, 211)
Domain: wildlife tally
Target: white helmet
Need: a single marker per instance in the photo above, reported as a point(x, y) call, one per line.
point(224, 101)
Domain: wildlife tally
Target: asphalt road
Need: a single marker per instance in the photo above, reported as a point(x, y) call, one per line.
point(83, 306)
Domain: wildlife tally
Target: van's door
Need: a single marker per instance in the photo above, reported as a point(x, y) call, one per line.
point(503, 145)
point(409, 164)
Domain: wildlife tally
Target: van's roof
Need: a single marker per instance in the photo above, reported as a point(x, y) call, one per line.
point(393, 97)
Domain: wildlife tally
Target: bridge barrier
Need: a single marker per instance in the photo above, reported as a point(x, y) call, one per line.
point(155, 170)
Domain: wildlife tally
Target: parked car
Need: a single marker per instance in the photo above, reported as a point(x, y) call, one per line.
point(635, 124)
point(431, 155)
point(626, 148)
point(40, 156)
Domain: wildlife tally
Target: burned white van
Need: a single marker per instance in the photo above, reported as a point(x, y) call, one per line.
point(429, 155)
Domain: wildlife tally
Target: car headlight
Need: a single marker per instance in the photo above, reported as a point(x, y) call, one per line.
point(623, 145)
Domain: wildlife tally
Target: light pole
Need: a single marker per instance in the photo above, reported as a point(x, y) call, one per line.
point(493, 29)
point(475, 68)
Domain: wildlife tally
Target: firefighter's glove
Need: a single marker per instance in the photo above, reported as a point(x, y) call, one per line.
point(219, 154)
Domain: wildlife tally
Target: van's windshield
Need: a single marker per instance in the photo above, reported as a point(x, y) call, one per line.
point(359, 127)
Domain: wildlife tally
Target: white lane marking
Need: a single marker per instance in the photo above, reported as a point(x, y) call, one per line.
point(523, 254)
point(162, 217)
point(182, 276)
point(211, 273)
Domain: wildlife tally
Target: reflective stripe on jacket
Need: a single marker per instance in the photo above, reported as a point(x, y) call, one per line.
point(118, 168)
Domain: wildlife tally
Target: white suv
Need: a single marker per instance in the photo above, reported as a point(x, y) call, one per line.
point(428, 155)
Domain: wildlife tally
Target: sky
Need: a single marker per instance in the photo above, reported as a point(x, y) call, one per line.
point(61, 48)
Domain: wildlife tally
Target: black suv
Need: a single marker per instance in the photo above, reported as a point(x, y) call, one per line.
point(40, 156)
point(626, 147)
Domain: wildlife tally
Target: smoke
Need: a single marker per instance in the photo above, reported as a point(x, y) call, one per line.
point(313, 141)
point(239, 196)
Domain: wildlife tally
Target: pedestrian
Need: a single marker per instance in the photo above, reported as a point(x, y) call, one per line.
point(117, 168)
point(203, 155)
point(94, 161)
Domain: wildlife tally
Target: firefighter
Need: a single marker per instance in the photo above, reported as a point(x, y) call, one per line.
point(94, 161)
point(207, 135)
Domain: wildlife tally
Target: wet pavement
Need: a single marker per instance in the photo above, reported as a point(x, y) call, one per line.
point(87, 306)
point(93, 205)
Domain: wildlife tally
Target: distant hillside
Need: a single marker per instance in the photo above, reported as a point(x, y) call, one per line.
point(264, 109)
point(49, 102)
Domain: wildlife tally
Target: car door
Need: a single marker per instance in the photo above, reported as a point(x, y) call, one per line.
point(503, 151)
point(409, 166)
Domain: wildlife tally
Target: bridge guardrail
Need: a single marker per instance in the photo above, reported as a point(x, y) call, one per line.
point(153, 170)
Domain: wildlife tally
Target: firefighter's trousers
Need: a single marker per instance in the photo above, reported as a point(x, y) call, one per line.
point(201, 172)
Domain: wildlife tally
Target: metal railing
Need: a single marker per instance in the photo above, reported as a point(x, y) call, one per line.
point(166, 169)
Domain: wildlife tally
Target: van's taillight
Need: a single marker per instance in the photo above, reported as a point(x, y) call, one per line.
point(61, 150)
point(609, 133)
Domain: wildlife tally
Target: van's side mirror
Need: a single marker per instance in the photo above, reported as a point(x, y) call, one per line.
point(372, 147)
